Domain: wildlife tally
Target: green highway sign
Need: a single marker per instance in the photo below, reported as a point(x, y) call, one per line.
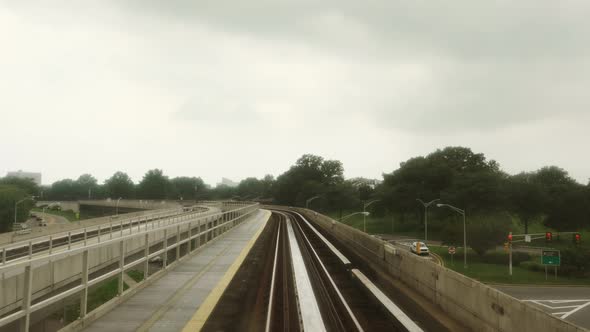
point(551, 257)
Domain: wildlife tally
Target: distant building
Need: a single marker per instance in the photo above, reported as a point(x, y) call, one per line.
point(36, 177)
point(227, 182)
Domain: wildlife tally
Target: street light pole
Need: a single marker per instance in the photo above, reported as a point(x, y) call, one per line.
point(117, 206)
point(426, 205)
point(309, 200)
point(17, 203)
point(462, 212)
point(365, 206)
point(353, 214)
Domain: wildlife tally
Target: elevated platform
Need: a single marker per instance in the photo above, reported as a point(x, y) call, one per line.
point(188, 292)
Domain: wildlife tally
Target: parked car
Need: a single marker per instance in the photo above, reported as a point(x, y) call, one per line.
point(423, 248)
point(42, 222)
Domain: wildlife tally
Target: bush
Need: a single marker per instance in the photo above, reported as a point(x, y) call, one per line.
point(532, 266)
point(501, 258)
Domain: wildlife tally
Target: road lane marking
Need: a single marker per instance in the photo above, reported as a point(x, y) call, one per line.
point(558, 305)
point(575, 310)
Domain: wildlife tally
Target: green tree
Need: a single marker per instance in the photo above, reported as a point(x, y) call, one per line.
point(120, 185)
point(154, 185)
point(28, 185)
point(63, 190)
point(485, 233)
point(188, 187)
point(9, 195)
point(526, 198)
point(311, 175)
point(86, 187)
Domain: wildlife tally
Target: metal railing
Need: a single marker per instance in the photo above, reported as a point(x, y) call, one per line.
point(50, 242)
point(215, 225)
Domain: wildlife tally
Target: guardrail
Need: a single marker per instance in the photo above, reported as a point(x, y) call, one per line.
point(220, 222)
point(120, 223)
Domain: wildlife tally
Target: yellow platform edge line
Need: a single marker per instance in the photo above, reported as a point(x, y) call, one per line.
point(198, 320)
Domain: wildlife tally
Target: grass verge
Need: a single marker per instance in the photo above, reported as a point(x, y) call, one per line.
point(498, 273)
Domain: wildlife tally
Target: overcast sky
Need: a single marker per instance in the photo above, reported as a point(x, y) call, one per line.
point(244, 88)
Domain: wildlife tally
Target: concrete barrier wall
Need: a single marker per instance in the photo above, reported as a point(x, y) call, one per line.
point(468, 301)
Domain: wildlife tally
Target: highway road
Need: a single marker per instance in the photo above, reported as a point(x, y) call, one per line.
point(405, 243)
point(569, 303)
point(52, 219)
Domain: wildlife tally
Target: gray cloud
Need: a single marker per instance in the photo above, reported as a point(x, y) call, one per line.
point(329, 77)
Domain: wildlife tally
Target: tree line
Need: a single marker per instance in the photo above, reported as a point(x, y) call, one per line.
point(455, 175)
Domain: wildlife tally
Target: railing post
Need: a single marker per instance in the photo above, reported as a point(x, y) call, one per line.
point(121, 266)
point(4, 256)
point(84, 297)
point(190, 237)
point(165, 259)
point(85, 236)
point(177, 242)
point(111, 229)
point(50, 244)
point(27, 291)
point(146, 264)
point(121, 229)
point(30, 249)
point(198, 232)
point(69, 240)
point(98, 233)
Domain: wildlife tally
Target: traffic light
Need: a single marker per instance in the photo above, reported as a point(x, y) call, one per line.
point(577, 238)
point(548, 237)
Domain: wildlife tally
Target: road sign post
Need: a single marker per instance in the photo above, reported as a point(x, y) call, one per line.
point(510, 253)
point(551, 257)
point(452, 252)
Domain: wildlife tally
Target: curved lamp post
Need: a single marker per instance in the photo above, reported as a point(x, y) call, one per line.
point(117, 206)
point(309, 200)
point(18, 202)
point(354, 214)
point(365, 206)
point(462, 212)
point(426, 205)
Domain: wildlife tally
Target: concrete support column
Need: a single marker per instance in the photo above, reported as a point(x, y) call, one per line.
point(84, 297)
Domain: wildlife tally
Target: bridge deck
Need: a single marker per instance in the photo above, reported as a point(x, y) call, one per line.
point(172, 301)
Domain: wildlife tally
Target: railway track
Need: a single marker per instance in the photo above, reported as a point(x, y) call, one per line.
point(295, 279)
point(346, 300)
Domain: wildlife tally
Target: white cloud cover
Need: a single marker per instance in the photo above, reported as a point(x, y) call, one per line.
point(231, 89)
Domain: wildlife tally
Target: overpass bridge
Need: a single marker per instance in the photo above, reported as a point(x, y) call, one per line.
point(239, 265)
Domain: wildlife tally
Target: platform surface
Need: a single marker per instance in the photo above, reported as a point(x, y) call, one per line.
point(170, 302)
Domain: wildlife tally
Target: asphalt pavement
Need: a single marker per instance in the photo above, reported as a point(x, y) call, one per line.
point(569, 303)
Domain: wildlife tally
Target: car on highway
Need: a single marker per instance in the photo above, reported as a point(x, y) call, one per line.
point(42, 222)
point(423, 248)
